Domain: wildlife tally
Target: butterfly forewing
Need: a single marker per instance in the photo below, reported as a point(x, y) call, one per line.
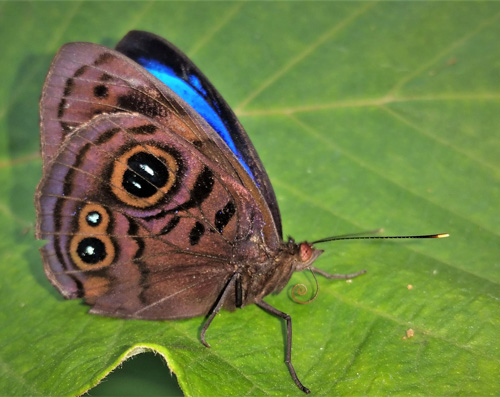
point(175, 69)
point(87, 80)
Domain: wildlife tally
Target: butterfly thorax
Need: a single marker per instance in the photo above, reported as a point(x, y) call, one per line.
point(269, 272)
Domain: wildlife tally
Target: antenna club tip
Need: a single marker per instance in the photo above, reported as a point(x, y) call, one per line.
point(442, 235)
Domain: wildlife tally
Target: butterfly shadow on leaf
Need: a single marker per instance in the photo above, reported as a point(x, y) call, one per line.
point(23, 152)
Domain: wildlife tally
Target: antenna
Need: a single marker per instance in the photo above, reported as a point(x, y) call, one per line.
point(356, 236)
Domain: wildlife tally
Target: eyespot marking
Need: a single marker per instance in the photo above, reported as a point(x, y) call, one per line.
point(93, 218)
point(91, 250)
point(91, 246)
point(145, 174)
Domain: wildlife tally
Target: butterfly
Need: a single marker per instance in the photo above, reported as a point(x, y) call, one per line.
point(153, 200)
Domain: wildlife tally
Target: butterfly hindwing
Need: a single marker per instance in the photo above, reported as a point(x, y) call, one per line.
point(127, 200)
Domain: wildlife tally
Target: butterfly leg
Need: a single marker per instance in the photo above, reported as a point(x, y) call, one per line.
point(288, 356)
point(235, 278)
point(337, 276)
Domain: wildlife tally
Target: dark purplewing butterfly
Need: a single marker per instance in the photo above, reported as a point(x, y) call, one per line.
point(153, 200)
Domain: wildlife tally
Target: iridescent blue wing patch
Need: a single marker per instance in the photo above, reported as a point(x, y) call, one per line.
point(167, 63)
point(192, 91)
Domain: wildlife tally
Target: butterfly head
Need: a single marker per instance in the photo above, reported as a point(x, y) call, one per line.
point(305, 256)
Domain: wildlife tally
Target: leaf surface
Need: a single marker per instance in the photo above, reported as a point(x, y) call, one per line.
point(366, 115)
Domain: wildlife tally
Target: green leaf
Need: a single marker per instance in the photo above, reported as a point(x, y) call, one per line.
point(365, 115)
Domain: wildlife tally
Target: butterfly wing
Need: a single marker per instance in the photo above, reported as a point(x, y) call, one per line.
point(177, 71)
point(87, 80)
point(139, 222)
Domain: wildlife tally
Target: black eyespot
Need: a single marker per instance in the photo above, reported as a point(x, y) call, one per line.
point(93, 218)
point(91, 250)
point(145, 175)
point(101, 91)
